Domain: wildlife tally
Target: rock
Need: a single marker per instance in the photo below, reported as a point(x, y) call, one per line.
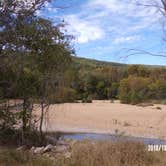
point(67, 155)
point(158, 108)
point(21, 148)
point(32, 149)
point(39, 150)
point(61, 149)
point(48, 148)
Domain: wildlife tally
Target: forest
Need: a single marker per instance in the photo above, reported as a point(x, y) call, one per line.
point(105, 81)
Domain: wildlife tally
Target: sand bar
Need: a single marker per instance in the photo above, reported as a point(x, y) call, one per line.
point(107, 117)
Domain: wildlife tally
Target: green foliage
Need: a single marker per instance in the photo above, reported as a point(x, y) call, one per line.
point(90, 64)
point(113, 91)
point(130, 83)
point(134, 97)
point(138, 70)
point(133, 89)
point(34, 56)
point(138, 89)
point(65, 94)
point(124, 91)
point(8, 119)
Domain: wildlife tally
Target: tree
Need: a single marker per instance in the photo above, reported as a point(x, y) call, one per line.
point(34, 55)
point(134, 89)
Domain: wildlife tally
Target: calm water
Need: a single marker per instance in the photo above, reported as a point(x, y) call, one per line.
point(81, 136)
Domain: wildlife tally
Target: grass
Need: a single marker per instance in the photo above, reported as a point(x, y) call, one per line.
point(15, 158)
point(113, 154)
point(86, 153)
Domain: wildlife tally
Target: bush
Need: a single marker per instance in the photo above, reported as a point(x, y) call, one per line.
point(134, 89)
point(86, 101)
point(134, 97)
point(14, 137)
point(64, 95)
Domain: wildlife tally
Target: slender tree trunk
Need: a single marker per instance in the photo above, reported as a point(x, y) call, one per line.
point(24, 115)
point(30, 115)
point(41, 120)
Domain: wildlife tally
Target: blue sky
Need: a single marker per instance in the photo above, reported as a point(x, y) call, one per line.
point(106, 29)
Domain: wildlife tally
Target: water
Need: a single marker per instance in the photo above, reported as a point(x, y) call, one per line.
point(90, 136)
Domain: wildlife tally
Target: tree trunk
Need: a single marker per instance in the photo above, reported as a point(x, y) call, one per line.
point(41, 120)
point(24, 116)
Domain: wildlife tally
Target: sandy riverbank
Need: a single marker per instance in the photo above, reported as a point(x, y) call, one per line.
point(106, 117)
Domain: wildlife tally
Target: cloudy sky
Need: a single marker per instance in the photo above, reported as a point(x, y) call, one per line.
point(107, 29)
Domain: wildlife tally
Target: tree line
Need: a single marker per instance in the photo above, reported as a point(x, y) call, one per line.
point(131, 84)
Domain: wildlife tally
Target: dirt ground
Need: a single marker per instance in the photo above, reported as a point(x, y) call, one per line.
point(107, 117)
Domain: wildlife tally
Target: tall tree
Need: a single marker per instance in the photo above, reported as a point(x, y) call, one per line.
point(34, 54)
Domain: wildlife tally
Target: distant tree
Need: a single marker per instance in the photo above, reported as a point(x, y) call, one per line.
point(114, 90)
point(133, 70)
point(124, 90)
point(134, 89)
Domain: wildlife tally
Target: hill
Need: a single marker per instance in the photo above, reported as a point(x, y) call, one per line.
point(89, 64)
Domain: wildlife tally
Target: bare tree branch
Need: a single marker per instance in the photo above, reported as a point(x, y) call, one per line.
point(160, 7)
point(131, 52)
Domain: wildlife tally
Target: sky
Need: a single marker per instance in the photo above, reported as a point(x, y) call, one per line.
point(107, 29)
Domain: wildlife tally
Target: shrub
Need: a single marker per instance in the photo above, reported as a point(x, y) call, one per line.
point(87, 100)
point(134, 97)
point(64, 94)
point(134, 89)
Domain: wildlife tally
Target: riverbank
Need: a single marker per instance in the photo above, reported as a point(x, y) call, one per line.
point(84, 153)
point(108, 118)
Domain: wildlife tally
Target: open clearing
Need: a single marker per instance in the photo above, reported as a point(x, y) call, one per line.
point(107, 117)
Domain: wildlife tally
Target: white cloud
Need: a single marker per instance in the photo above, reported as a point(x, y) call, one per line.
point(126, 7)
point(110, 18)
point(126, 39)
point(84, 31)
point(114, 5)
point(126, 10)
point(50, 7)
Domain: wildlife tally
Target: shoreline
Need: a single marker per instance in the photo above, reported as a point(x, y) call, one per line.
point(79, 136)
point(97, 132)
point(103, 117)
